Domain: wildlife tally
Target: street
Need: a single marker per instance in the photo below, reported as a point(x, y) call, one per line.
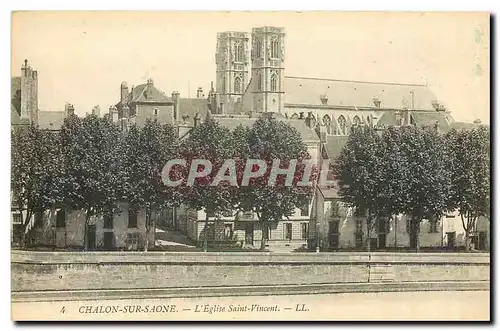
point(466, 305)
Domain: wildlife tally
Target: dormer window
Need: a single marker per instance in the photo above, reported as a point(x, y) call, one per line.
point(324, 99)
point(156, 111)
point(376, 102)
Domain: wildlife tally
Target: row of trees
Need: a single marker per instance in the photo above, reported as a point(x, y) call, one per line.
point(417, 172)
point(91, 165)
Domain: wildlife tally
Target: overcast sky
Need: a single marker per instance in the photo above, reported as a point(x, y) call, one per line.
point(82, 57)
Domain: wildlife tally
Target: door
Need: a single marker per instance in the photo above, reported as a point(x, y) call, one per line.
point(108, 240)
point(91, 237)
point(482, 241)
point(249, 227)
point(333, 235)
point(450, 236)
point(288, 231)
point(381, 231)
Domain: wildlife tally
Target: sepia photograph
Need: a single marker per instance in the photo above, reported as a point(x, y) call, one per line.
point(250, 166)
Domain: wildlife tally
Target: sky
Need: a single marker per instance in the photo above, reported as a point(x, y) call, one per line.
point(82, 57)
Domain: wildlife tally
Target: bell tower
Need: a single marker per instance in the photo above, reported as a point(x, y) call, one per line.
point(232, 62)
point(268, 69)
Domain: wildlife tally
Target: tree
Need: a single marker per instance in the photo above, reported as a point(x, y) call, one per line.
point(268, 140)
point(425, 182)
point(92, 160)
point(36, 172)
point(361, 175)
point(147, 150)
point(470, 178)
point(213, 142)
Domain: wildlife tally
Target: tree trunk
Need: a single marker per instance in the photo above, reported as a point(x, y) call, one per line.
point(22, 244)
point(417, 233)
point(148, 219)
point(414, 234)
point(205, 232)
point(368, 231)
point(85, 233)
point(264, 234)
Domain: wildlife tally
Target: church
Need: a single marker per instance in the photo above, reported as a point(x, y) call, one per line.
point(251, 81)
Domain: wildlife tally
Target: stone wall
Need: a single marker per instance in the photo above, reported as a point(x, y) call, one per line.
point(39, 271)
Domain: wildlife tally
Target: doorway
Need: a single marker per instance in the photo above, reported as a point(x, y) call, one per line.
point(450, 239)
point(249, 227)
point(333, 235)
point(91, 237)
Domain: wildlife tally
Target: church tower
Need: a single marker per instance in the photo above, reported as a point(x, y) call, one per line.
point(231, 59)
point(268, 69)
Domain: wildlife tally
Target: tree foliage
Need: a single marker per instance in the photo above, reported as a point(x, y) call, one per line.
point(146, 151)
point(470, 178)
point(362, 175)
point(92, 162)
point(268, 140)
point(36, 181)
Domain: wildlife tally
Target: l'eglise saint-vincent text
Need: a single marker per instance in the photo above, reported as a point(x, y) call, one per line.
point(235, 308)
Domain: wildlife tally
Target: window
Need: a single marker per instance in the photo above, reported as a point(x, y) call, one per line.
point(274, 84)
point(238, 53)
point(227, 213)
point(356, 121)
point(433, 225)
point(359, 225)
point(258, 48)
point(327, 121)
point(288, 231)
point(109, 238)
point(259, 82)
point(342, 124)
point(275, 49)
point(61, 219)
point(132, 238)
point(211, 232)
point(16, 218)
point(237, 85)
point(156, 111)
point(304, 231)
point(132, 219)
point(408, 225)
point(108, 221)
point(267, 232)
point(228, 231)
point(304, 210)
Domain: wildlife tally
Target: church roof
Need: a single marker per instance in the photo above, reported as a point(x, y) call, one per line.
point(306, 133)
point(334, 145)
point(343, 93)
point(191, 106)
point(421, 118)
point(50, 120)
point(139, 94)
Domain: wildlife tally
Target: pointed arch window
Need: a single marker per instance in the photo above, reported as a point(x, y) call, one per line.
point(328, 123)
point(258, 48)
point(356, 121)
point(274, 83)
point(237, 85)
point(259, 82)
point(239, 53)
point(274, 49)
point(342, 124)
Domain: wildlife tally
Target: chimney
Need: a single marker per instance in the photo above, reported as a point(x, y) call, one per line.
point(113, 114)
point(123, 91)
point(96, 111)
point(197, 119)
point(436, 126)
point(309, 120)
point(177, 105)
point(125, 111)
point(69, 109)
point(149, 88)
point(199, 93)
